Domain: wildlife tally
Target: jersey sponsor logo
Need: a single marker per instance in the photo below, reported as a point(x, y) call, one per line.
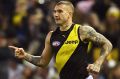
point(71, 42)
point(56, 43)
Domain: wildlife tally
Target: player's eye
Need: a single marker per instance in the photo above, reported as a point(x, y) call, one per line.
point(59, 11)
point(54, 11)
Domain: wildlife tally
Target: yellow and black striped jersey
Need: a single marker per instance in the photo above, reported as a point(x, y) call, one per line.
point(70, 53)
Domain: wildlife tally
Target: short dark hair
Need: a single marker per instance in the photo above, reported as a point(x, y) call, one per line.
point(68, 3)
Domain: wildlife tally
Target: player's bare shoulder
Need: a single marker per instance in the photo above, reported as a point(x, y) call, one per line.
point(48, 37)
point(50, 33)
point(86, 32)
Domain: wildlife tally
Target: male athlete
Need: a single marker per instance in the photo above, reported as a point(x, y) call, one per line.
point(69, 45)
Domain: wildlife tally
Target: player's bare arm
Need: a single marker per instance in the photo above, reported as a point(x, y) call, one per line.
point(42, 60)
point(87, 33)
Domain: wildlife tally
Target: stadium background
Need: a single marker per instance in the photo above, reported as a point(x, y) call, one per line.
point(25, 23)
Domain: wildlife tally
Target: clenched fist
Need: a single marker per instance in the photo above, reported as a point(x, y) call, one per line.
point(94, 68)
point(19, 52)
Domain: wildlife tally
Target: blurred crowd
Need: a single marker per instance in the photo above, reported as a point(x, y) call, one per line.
point(25, 23)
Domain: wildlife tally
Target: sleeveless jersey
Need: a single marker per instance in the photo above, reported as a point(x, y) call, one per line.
point(70, 53)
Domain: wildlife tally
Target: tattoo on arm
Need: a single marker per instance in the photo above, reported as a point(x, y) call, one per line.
point(36, 60)
point(91, 35)
point(97, 38)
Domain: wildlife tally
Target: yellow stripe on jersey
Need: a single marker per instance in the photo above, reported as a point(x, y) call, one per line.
point(67, 48)
point(89, 47)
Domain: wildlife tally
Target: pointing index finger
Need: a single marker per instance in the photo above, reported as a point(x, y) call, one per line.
point(13, 47)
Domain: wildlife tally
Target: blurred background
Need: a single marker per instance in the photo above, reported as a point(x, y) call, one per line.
point(25, 23)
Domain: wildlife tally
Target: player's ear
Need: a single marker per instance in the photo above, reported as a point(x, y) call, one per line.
point(71, 13)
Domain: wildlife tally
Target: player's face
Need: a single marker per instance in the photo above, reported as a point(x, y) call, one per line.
point(61, 14)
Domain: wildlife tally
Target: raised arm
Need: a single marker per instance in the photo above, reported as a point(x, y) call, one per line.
point(87, 33)
point(42, 60)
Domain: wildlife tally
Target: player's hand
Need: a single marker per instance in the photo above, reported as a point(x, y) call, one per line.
point(94, 68)
point(19, 52)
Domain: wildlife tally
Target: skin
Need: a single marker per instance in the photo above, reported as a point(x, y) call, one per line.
point(63, 17)
point(87, 33)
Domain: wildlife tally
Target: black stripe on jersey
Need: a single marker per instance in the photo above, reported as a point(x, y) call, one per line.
point(79, 33)
point(75, 68)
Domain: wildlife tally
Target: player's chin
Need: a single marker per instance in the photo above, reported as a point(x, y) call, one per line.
point(58, 22)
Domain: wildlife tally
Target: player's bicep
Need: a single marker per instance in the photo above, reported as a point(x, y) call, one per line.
point(47, 52)
point(86, 33)
point(97, 38)
point(90, 34)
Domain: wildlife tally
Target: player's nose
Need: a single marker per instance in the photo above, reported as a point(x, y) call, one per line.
point(55, 14)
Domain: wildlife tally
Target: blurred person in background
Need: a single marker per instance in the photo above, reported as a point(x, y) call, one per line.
point(82, 10)
point(69, 65)
point(37, 29)
point(112, 24)
point(20, 22)
point(20, 11)
point(100, 7)
point(41, 73)
point(3, 46)
point(7, 37)
point(16, 21)
point(27, 72)
point(5, 53)
point(4, 56)
point(94, 21)
point(115, 72)
point(14, 69)
point(112, 32)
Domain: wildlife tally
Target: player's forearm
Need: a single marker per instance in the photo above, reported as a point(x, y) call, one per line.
point(106, 48)
point(36, 60)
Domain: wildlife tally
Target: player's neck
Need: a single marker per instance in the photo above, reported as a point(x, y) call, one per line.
point(66, 26)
